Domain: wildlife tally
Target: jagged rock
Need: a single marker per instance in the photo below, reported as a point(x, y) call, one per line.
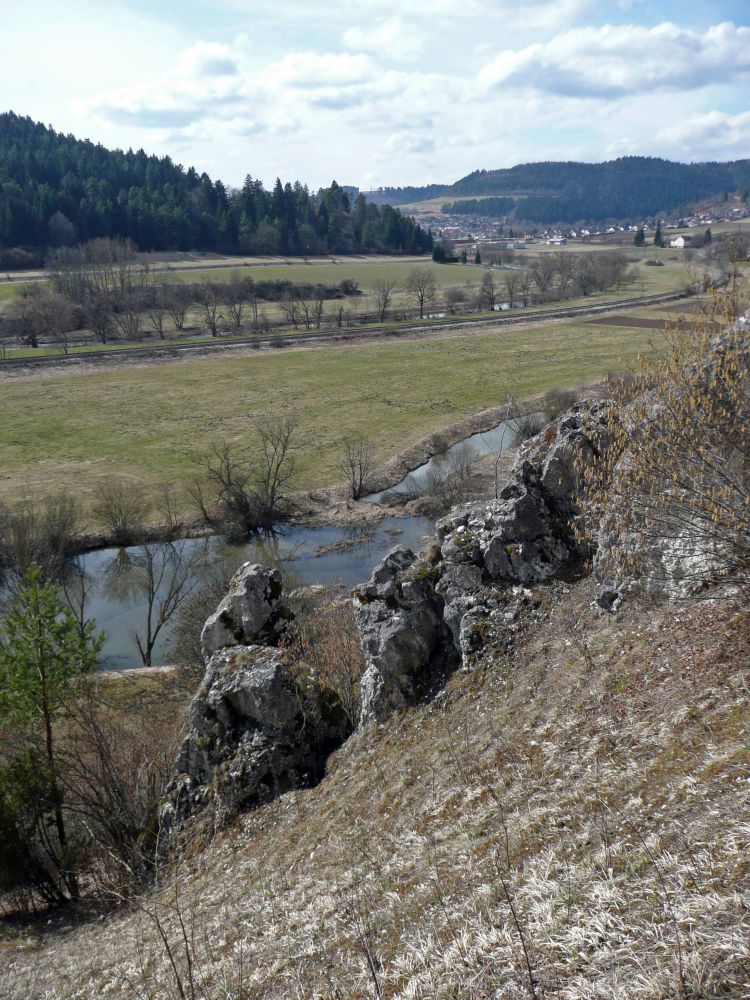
point(254, 610)
point(256, 726)
point(527, 535)
point(400, 622)
point(254, 731)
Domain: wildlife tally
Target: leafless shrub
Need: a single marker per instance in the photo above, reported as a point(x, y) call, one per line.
point(527, 426)
point(462, 460)
point(357, 463)
point(116, 765)
point(213, 586)
point(121, 509)
point(557, 401)
point(42, 532)
point(454, 299)
point(325, 641)
point(676, 472)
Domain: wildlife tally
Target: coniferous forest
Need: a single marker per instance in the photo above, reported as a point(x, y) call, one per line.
point(57, 190)
point(631, 187)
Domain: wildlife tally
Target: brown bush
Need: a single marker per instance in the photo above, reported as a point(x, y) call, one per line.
point(326, 644)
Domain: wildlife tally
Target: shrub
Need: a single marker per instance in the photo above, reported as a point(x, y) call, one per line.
point(557, 401)
point(527, 426)
point(676, 476)
point(41, 533)
point(326, 642)
point(121, 509)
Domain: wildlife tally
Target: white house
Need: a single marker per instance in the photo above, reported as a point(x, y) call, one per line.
point(680, 242)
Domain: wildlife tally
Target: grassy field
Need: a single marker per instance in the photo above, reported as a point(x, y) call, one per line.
point(155, 424)
point(366, 272)
point(673, 276)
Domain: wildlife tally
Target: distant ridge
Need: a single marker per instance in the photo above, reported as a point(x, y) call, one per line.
point(549, 192)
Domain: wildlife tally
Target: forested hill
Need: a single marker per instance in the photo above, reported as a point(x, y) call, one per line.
point(56, 189)
point(630, 187)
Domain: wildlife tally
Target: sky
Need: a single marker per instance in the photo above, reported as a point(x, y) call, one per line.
point(384, 92)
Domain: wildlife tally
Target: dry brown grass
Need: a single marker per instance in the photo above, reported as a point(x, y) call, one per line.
point(569, 820)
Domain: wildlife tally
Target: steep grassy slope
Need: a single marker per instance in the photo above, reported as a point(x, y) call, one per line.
point(569, 819)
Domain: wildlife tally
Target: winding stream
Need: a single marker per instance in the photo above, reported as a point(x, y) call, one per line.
point(327, 555)
point(497, 439)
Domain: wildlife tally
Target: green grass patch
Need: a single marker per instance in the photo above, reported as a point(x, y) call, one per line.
point(155, 424)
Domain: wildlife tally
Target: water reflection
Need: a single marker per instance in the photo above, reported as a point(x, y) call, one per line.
point(119, 588)
point(417, 482)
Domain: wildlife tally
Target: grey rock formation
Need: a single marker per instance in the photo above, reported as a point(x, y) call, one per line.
point(256, 727)
point(254, 610)
point(527, 535)
point(472, 585)
point(254, 732)
point(400, 622)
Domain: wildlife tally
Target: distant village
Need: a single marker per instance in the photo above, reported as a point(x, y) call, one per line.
point(482, 229)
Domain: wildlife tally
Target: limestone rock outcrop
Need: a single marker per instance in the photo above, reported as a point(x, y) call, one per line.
point(255, 727)
point(486, 555)
point(254, 610)
point(400, 621)
point(525, 537)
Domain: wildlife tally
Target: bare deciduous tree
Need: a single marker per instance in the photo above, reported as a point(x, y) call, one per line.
point(565, 264)
point(421, 284)
point(276, 466)
point(177, 299)
point(162, 576)
point(524, 284)
point(250, 492)
point(542, 270)
point(488, 293)
point(357, 463)
point(383, 289)
point(511, 280)
point(290, 306)
point(39, 313)
point(209, 296)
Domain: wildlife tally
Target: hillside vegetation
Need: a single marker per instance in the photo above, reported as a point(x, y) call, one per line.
point(568, 815)
point(629, 187)
point(530, 751)
point(56, 190)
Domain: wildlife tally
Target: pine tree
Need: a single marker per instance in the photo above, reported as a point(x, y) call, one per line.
point(43, 654)
point(640, 237)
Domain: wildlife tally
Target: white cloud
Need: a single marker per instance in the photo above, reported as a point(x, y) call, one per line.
point(712, 133)
point(390, 91)
point(311, 70)
point(615, 61)
point(208, 59)
point(392, 39)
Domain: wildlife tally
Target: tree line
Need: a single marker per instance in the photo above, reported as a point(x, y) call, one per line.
point(56, 190)
point(102, 290)
point(102, 287)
